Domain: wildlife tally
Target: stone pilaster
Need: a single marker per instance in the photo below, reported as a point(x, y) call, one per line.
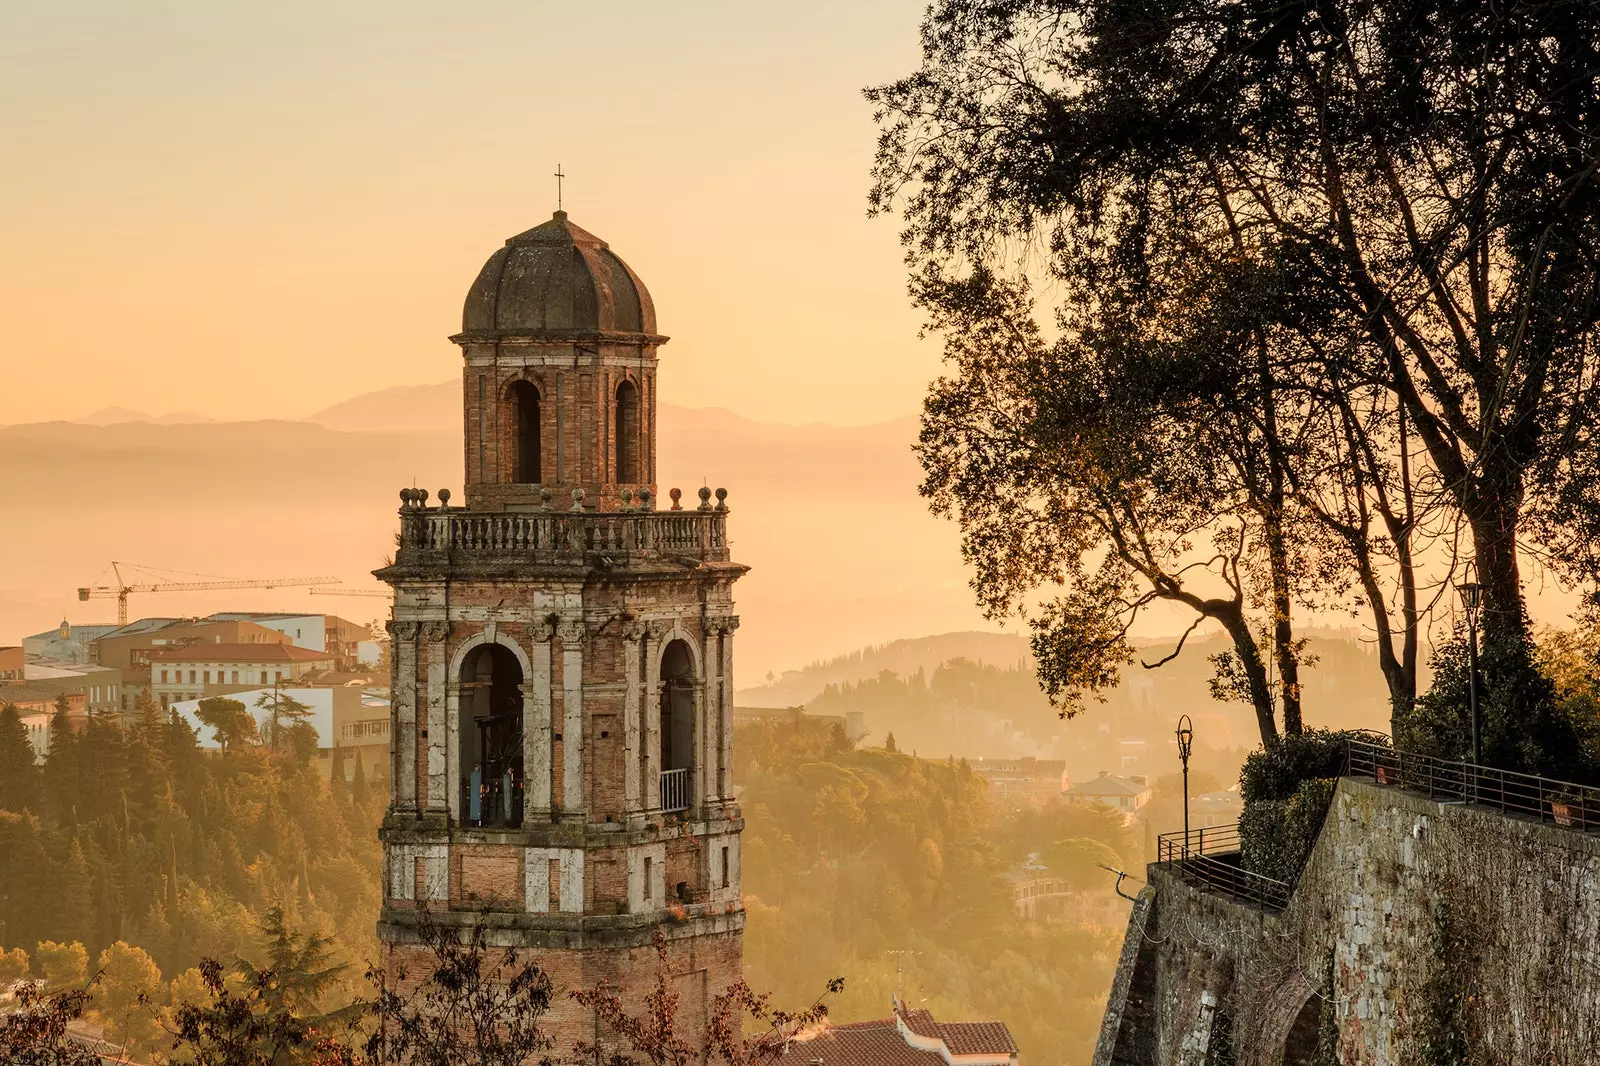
point(572, 634)
point(657, 632)
point(537, 727)
point(435, 636)
point(708, 706)
point(633, 634)
point(403, 692)
point(725, 723)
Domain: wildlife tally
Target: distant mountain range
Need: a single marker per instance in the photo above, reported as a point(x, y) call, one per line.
point(843, 551)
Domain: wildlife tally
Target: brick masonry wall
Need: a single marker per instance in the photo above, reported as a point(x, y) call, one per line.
point(1524, 895)
point(698, 968)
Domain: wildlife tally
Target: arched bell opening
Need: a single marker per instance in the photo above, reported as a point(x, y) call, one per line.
point(527, 462)
point(490, 729)
point(627, 434)
point(677, 726)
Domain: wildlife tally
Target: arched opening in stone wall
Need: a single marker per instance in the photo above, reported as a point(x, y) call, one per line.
point(677, 726)
point(491, 737)
point(525, 406)
point(627, 433)
point(1300, 1048)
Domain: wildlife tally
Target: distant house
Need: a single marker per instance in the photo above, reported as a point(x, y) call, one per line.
point(1126, 794)
point(339, 637)
point(12, 661)
point(909, 1038)
point(199, 670)
point(1222, 807)
point(100, 686)
point(1025, 782)
point(36, 704)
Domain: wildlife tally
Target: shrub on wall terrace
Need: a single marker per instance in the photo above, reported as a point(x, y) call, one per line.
point(1276, 835)
point(1277, 772)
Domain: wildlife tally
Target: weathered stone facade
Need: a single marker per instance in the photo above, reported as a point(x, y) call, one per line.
point(1362, 933)
point(563, 658)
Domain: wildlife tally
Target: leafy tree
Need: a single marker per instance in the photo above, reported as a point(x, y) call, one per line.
point(1078, 862)
point(296, 974)
point(358, 785)
point(231, 722)
point(20, 785)
point(889, 744)
point(125, 996)
point(1422, 209)
point(495, 1000)
point(61, 965)
point(13, 967)
point(38, 1032)
point(281, 707)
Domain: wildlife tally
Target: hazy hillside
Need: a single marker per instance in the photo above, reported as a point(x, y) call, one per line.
point(842, 550)
point(1342, 688)
point(902, 657)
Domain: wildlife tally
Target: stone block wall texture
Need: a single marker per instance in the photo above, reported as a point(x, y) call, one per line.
point(1523, 900)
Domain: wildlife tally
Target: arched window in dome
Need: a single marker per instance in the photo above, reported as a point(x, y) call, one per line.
point(627, 433)
point(525, 408)
point(491, 737)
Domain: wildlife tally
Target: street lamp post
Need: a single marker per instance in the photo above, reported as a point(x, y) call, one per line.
point(1472, 599)
point(1185, 745)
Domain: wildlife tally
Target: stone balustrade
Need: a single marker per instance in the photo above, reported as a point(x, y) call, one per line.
point(548, 535)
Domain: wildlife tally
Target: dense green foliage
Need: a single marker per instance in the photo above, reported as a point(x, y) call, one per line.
point(1286, 790)
point(857, 862)
point(135, 834)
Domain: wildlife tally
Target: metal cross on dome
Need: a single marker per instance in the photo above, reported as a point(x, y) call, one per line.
point(558, 177)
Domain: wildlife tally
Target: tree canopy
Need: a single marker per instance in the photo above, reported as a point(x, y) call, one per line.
point(1323, 278)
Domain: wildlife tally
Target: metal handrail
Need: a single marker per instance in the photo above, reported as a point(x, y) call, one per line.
point(1212, 857)
point(1563, 803)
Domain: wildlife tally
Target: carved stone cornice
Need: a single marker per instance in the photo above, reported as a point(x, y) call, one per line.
point(541, 632)
point(404, 631)
point(572, 631)
point(634, 631)
point(435, 632)
point(658, 628)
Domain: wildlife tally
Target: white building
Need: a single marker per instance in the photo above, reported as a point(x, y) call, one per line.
point(181, 674)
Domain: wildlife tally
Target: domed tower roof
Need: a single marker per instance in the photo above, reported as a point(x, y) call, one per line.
point(557, 280)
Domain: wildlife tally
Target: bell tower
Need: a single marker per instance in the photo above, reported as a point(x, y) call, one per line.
point(562, 649)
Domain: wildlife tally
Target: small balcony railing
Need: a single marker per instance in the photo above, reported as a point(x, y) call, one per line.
point(1211, 857)
point(434, 534)
point(674, 790)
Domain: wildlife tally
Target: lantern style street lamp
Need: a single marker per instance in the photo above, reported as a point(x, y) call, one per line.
point(1472, 599)
point(1185, 745)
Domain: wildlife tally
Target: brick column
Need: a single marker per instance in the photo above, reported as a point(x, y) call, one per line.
point(435, 636)
point(536, 724)
point(633, 634)
point(403, 689)
point(572, 636)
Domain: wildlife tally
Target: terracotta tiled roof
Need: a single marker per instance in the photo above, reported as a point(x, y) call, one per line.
point(876, 1043)
point(977, 1038)
point(883, 1043)
point(240, 653)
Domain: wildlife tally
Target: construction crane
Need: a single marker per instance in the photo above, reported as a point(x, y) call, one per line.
point(375, 593)
point(122, 588)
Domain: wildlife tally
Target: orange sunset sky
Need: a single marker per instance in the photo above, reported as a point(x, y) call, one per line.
point(252, 211)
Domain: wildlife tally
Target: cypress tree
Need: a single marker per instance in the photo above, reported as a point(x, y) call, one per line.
point(62, 772)
point(20, 786)
point(358, 787)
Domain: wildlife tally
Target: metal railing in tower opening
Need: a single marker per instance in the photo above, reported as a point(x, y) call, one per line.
point(674, 790)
